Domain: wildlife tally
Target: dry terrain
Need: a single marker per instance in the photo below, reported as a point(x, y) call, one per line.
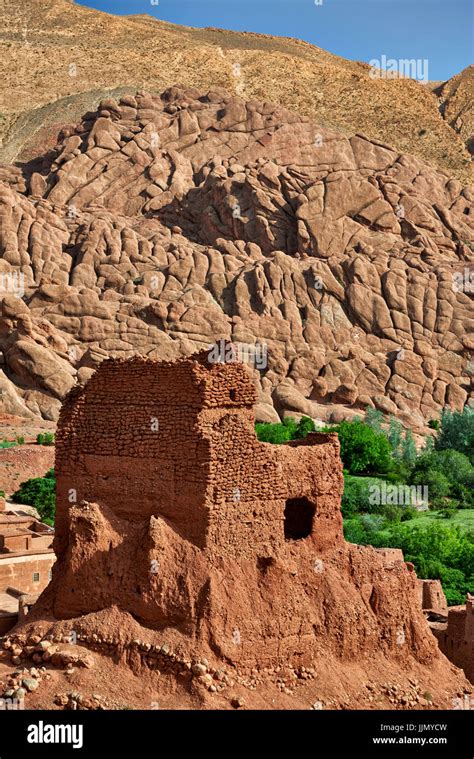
point(58, 59)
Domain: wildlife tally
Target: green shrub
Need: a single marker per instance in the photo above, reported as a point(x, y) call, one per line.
point(394, 435)
point(304, 426)
point(438, 485)
point(363, 449)
point(272, 433)
point(40, 493)
point(355, 498)
point(284, 431)
point(434, 424)
point(408, 449)
point(457, 432)
point(448, 474)
point(45, 438)
point(8, 443)
point(374, 419)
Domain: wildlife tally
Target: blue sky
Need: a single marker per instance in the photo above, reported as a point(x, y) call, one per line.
point(440, 31)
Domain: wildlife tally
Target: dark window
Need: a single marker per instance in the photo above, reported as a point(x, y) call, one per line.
point(36, 577)
point(233, 395)
point(299, 515)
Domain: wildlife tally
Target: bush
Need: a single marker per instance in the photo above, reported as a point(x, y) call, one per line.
point(304, 426)
point(284, 431)
point(374, 419)
point(355, 498)
point(45, 438)
point(394, 435)
point(408, 449)
point(363, 449)
point(447, 473)
point(40, 493)
point(438, 485)
point(8, 443)
point(457, 432)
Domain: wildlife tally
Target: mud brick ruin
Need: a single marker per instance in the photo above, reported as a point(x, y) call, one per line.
point(453, 627)
point(177, 441)
point(180, 535)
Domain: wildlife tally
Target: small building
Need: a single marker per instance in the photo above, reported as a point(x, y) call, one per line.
point(177, 440)
point(26, 561)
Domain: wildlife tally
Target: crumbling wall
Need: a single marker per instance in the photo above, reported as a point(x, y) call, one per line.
point(432, 596)
point(131, 439)
point(456, 638)
point(183, 521)
point(177, 440)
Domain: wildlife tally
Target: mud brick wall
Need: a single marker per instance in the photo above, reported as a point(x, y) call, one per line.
point(177, 440)
point(18, 571)
point(456, 640)
point(132, 440)
point(432, 595)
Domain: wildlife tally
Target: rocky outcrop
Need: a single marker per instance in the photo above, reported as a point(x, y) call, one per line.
point(160, 225)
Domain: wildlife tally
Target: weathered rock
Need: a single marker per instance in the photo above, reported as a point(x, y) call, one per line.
point(196, 218)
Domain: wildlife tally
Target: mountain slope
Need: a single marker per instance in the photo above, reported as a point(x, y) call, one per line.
point(54, 51)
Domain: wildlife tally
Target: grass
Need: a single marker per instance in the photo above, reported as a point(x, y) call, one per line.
point(463, 518)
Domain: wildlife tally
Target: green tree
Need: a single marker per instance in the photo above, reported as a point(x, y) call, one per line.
point(304, 426)
point(457, 431)
point(362, 449)
point(374, 419)
point(394, 435)
point(39, 492)
point(408, 449)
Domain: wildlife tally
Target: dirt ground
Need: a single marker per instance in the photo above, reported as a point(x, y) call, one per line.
point(23, 462)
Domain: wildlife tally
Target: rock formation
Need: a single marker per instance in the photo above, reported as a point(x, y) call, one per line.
point(160, 225)
point(180, 535)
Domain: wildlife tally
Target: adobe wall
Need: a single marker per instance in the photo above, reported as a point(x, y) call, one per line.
point(456, 639)
point(432, 595)
point(250, 483)
point(130, 439)
point(17, 571)
point(177, 440)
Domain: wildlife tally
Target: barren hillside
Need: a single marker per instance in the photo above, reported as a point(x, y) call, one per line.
point(59, 59)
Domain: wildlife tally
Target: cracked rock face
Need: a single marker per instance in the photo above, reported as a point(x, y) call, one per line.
point(160, 225)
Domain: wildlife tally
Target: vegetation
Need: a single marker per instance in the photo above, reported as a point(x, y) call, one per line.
point(457, 432)
point(45, 438)
point(363, 449)
point(40, 493)
point(378, 456)
point(12, 443)
point(287, 430)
